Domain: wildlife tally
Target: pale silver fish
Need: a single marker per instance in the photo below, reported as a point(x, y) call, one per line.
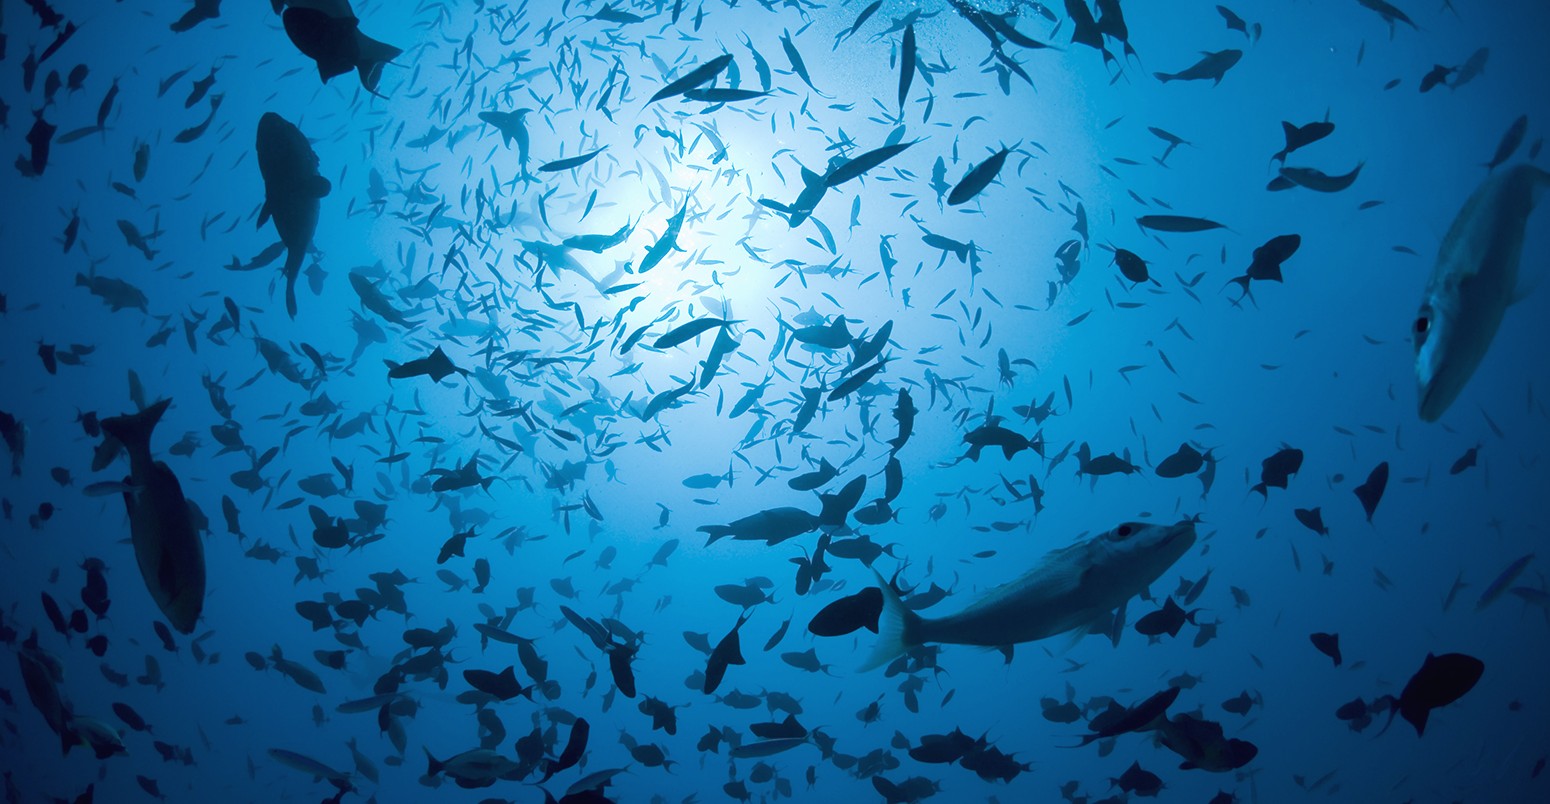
point(1473, 283)
point(1074, 587)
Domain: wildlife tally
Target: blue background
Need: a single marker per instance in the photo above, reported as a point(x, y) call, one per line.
point(1322, 363)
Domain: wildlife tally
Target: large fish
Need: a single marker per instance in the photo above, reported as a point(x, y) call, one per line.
point(292, 187)
point(1073, 587)
point(167, 547)
point(1473, 283)
point(328, 32)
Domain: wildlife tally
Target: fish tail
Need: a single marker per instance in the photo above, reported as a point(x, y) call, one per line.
point(373, 55)
point(292, 268)
point(134, 430)
point(898, 628)
point(432, 766)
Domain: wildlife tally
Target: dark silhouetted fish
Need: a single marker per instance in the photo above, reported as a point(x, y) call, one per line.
point(328, 32)
point(167, 547)
point(292, 187)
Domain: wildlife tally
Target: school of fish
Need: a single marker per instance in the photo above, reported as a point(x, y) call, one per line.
point(452, 396)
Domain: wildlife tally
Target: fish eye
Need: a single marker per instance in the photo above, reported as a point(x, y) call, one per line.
point(1422, 324)
point(1123, 531)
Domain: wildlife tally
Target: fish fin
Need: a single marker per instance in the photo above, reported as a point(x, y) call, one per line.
point(317, 187)
point(135, 429)
point(897, 628)
point(263, 216)
point(292, 268)
point(373, 55)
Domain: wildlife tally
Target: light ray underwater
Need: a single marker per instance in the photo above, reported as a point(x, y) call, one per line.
point(753, 400)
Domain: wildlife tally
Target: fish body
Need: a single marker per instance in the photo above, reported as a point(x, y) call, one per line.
point(1211, 67)
point(1473, 282)
point(166, 544)
point(330, 35)
point(1440, 681)
point(292, 187)
point(1073, 587)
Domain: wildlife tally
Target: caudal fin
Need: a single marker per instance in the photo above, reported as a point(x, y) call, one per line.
point(374, 54)
point(898, 628)
point(292, 267)
point(134, 430)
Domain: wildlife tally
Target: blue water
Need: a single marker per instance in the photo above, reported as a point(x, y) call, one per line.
point(432, 207)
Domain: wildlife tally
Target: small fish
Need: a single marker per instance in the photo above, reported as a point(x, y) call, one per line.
point(1177, 223)
point(977, 179)
point(854, 168)
point(1327, 644)
point(1371, 491)
point(1302, 136)
point(703, 74)
point(1510, 141)
point(570, 163)
point(1212, 66)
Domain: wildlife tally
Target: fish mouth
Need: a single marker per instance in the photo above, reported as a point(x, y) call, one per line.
point(1433, 400)
point(1185, 528)
point(1427, 405)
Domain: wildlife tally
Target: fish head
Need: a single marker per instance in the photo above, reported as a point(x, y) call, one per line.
point(1446, 353)
point(1134, 554)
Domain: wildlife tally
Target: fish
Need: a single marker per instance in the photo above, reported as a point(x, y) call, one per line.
point(292, 189)
point(570, 163)
point(1211, 67)
point(1185, 461)
point(1388, 12)
point(855, 168)
point(1203, 745)
point(1131, 266)
point(772, 526)
point(328, 32)
point(1177, 223)
point(1167, 620)
point(1473, 282)
point(1301, 136)
point(1073, 587)
point(1370, 492)
point(1327, 644)
point(1277, 469)
point(1315, 179)
point(1441, 680)
point(1267, 261)
point(513, 128)
point(1511, 139)
point(849, 614)
point(977, 179)
point(703, 74)
point(167, 546)
point(1471, 69)
point(1435, 77)
point(308, 766)
point(684, 333)
point(202, 11)
point(1138, 780)
point(1504, 580)
point(726, 653)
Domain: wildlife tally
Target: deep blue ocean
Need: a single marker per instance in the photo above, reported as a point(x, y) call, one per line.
point(620, 328)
